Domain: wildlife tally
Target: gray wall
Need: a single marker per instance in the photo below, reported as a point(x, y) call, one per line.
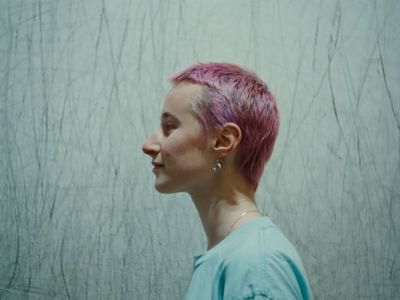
point(82, 83)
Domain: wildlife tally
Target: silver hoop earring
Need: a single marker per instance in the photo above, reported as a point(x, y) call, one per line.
point(217, 167)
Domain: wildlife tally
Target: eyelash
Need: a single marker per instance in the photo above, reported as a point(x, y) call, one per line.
point(167, 127)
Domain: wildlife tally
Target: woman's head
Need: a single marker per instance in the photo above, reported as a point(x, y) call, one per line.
point(182, 159)
point(233, 94)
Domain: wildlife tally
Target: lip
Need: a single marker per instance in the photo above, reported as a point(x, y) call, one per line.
point(157, 165)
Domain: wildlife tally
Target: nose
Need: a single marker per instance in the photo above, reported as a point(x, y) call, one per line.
point(151, 146)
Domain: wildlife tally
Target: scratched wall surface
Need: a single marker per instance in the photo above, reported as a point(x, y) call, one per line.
point(82, 83)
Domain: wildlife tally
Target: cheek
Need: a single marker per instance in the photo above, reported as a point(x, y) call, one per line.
point(186, 151)
point(174, 149)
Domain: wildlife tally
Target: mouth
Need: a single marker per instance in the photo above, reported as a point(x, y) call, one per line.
point(157, 166)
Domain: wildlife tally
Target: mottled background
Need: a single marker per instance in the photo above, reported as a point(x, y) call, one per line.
point(82, 83)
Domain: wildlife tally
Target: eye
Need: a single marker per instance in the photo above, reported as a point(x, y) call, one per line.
point(168, 127)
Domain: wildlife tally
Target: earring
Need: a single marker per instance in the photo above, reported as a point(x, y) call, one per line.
point(217, 167)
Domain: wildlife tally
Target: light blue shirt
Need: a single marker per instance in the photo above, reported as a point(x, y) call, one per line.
point(256, 261)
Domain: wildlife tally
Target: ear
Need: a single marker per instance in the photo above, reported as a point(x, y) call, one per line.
point(227, 139)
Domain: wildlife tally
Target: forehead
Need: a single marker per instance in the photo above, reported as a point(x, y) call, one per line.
point(181, 98)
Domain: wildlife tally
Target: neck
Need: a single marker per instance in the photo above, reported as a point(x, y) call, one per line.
point(221, 210)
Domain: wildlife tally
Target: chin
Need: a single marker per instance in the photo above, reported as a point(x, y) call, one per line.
point(168, 185)
point(165, 189)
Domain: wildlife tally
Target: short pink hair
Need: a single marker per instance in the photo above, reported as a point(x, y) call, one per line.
point(236, 95)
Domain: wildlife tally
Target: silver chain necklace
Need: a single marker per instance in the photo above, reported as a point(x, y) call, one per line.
point(242, 215)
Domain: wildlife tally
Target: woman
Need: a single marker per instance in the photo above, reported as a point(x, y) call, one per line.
point(218, 129)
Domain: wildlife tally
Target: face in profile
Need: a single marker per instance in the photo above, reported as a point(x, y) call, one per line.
point(182, 159)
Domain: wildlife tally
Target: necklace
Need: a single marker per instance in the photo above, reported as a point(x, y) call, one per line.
point(242, 215)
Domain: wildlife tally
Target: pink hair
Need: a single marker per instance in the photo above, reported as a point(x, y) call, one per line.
point(239, 96)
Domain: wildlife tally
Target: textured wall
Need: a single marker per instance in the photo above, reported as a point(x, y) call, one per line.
point(82, 83)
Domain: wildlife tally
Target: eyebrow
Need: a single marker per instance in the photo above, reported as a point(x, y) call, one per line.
point(166, 115)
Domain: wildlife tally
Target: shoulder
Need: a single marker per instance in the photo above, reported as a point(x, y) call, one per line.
point(261, 262)
point(257, 244)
